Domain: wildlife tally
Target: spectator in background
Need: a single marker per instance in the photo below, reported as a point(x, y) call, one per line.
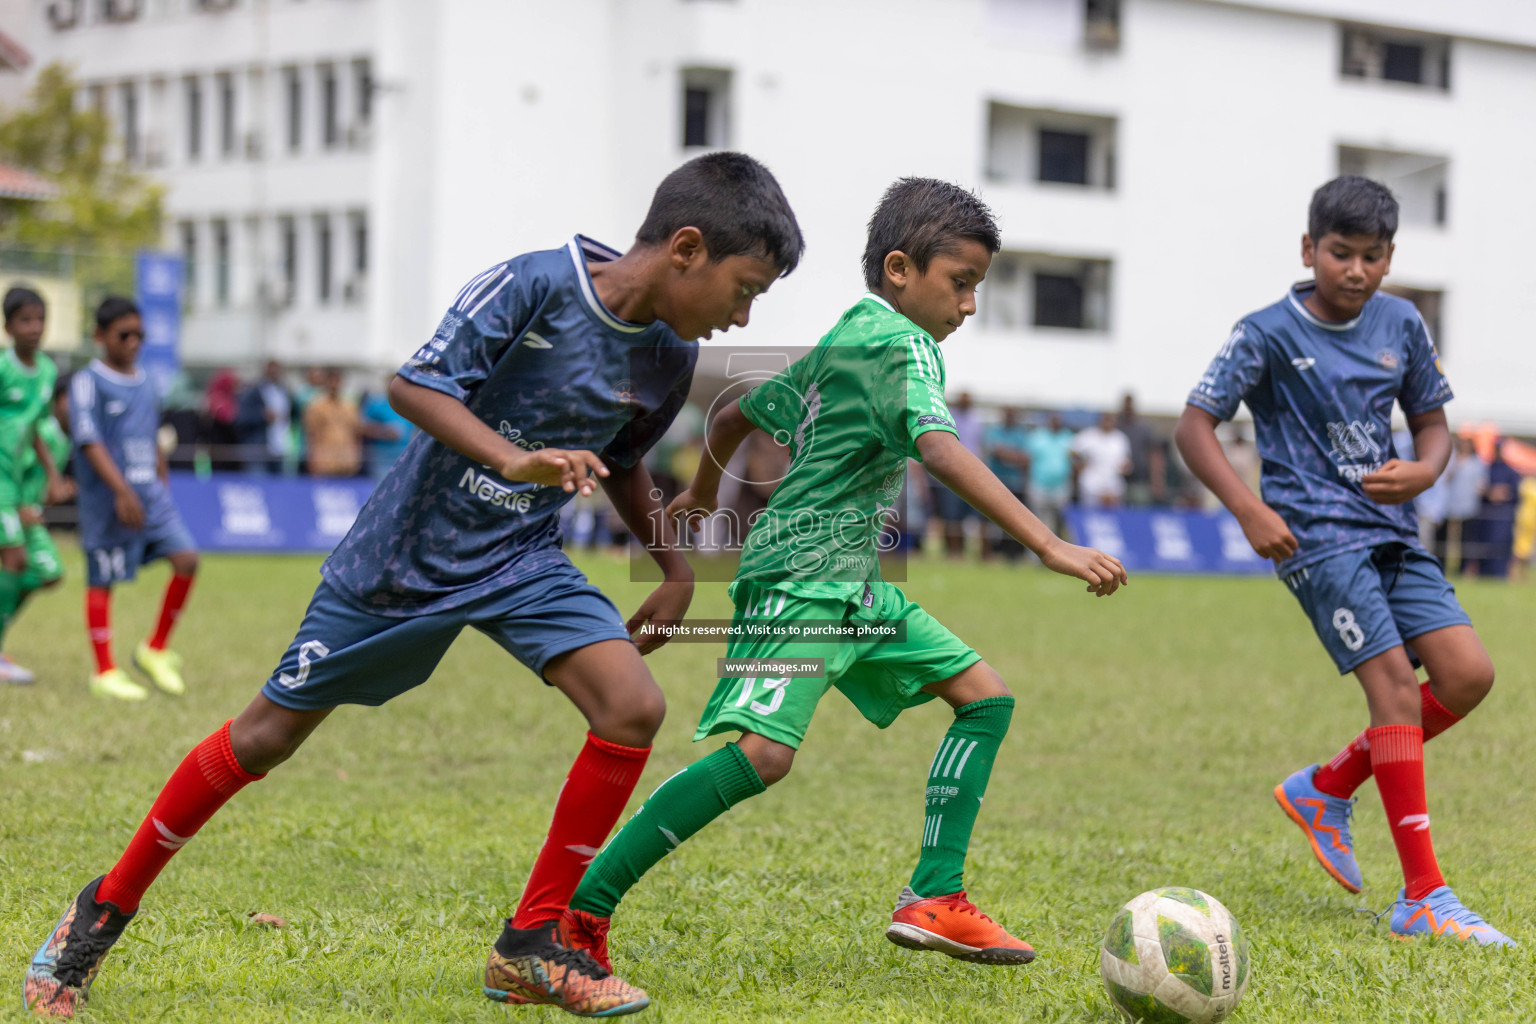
point(221, 411)
point(385, 432)
point(331, 435)
point(1430, 504)
point(952, 509)
point(1465, 477)
point(1145, 483)
point(1007, 454)
point(1496, 521)
point(277, 414)
point(1103, 457)
point(1050, 472)
point(1525, 530)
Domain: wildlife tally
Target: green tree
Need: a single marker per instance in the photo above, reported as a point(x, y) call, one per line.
point(104, 210)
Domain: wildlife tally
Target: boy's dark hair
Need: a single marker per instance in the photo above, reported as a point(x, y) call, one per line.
point(1352, 205)
point(734, 202)
point(18, 298)
point(113, 308)
point(61, 386)
point(924, 218)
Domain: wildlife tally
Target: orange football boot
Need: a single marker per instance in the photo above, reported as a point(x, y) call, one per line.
point(956, 927)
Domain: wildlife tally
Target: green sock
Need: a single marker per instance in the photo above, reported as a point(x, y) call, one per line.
point(957, 780)
point(11, 595)
point(680, 807)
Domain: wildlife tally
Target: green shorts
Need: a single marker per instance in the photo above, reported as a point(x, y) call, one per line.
point(12, 534)
point(43, 564)
point(881, 677)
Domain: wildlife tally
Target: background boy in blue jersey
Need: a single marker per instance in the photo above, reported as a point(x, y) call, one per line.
point(127, 516)
point(1320, 371)
point(547, 369)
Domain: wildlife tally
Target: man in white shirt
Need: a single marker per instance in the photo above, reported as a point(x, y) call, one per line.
point(1103, 457)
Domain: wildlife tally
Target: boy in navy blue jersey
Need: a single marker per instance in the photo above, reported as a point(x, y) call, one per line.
point(1320, 371)
point(547, 370)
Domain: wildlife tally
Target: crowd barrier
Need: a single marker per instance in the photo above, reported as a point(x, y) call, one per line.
point(1168, 539)
point(235, 512)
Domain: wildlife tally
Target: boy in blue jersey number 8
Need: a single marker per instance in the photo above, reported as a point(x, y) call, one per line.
point(550, 373)
point(1320, 371)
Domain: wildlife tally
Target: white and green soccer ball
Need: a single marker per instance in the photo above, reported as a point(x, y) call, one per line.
point(1174, 956)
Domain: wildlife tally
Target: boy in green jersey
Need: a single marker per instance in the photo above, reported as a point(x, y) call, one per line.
point(869, 396)
point(28, 471)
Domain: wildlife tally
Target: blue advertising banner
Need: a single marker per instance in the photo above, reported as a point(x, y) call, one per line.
point(231, 512)
point(1168, 539)
point(157, 289)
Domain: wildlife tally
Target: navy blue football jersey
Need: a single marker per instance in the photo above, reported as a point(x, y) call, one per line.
point(528, 347)
point(120, 412)
point(1321, 395)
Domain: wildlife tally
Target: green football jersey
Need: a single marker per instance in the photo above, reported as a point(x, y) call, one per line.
point(851, 411)
point(26, 394)
point(34, 480)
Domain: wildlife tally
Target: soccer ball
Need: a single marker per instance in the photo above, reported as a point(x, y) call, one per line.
point(1174, 956)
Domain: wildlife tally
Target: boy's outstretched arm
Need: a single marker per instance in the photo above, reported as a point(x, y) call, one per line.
point(450, 421)
point(729, 428)
point(637, 501)
point(1403, 480)
point(1262, 525)
point(953, 465)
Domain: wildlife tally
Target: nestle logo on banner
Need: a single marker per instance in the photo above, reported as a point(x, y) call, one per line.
point(243, 510)
point(336, 509)
point(497, 495)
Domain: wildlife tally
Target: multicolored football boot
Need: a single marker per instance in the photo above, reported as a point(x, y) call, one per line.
point(1325, 820)
point(15, 674)
point(114, 682)
point(59, 978)
point(162, 667)
point(531, 966)
point(1441, 913)
point(956, 927)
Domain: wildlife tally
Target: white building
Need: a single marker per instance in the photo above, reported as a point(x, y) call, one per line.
point(338, 168)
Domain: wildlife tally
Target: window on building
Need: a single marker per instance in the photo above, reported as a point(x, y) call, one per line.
point(1028, 144)
point(188, 231)
point(63, 14)
point(96, 97)
point(192, 92)
point(219, 228)
point(229, 142)
point(1418, 180)
point(293, 91)
point(706, 107)
point(1101, 24)
point(129, 94)
point(1391, 56)
point(357, 223)
point(322, 258)
point(1045, 290)
point(330, 109)
point(288, 258)
point(119, 10)
point(1429, 302)
point(256, 92)
point(362, 90)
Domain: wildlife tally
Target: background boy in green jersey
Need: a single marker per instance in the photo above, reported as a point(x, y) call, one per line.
point(28, 474)
point(853, 410)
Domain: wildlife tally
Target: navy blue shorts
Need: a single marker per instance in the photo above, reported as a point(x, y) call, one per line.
point(1368, 601)
point(344, 655)
point(117, 560)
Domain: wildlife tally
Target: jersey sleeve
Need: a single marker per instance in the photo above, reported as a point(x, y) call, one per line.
point(776, 405)
point(640, 434)
point(84, 409)
point(912, 402)
point(1233, 374)
point(1424, 385)
point(486, 316)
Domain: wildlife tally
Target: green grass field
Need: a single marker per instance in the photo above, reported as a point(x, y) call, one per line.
point(1151, 728)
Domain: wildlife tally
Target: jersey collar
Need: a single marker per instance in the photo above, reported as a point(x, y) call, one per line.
point(1312, 318)
point(876, 298)
point(21, 367)
point(137, 377)
point(583, 249)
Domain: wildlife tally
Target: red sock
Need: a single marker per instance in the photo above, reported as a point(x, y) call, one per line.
point(200, 785)
point(98, 622)
point(1397, 755)
point(1351, 766)
point(590, 802)
point(170, 609)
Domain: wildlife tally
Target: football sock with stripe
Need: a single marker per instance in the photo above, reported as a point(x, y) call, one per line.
point(203, 782)
point(176, 592)
point(591, 800)
point(680, 807)
point(1351, 766)
point(98, 622)
point(1397, 757)
point(957, 780)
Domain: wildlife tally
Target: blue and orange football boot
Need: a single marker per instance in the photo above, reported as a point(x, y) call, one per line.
point(58, 979)
point(1441, 913)
point(956, 927)
point(1325, 820)
point(531, 966)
